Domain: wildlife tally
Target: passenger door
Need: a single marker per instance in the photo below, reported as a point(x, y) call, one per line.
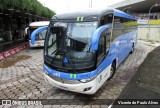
point(101, 49)
point(103, 60)
point(103, 45)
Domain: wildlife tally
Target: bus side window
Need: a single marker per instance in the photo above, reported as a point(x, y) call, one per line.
point(130, 25)
point(107, 19)
point(108, 38)
point(107, 35)
point(118, 28)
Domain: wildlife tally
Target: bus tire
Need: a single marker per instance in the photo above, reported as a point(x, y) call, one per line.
point(112, 70)
point(132, 50)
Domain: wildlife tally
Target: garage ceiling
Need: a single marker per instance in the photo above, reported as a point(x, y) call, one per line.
point(140, 7)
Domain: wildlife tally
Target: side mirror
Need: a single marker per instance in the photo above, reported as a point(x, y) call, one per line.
point(96, 37)
point(33, 35)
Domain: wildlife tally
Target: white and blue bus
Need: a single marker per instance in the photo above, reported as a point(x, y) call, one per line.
point(83, 49)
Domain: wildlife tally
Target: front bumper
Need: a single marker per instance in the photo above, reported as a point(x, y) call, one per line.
point(37, 44)
point(84, 88)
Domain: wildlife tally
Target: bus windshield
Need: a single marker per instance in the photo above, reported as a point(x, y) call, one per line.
point(68, 44)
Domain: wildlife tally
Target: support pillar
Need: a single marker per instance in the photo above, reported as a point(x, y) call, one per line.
point(7, 28)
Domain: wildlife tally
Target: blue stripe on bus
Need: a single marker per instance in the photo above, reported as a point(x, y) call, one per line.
point(73, 76)
point(69, 76)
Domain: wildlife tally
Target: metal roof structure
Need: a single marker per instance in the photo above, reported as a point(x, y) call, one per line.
point(137, 6)
point(39, 23)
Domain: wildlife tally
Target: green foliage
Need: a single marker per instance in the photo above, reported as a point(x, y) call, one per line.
point(31, 6)
point(3, 4)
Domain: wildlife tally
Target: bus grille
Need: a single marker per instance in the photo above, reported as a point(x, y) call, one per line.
point(64, 80)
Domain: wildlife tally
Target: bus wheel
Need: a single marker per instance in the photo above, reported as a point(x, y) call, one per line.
point(112, 71)
point(132, 50)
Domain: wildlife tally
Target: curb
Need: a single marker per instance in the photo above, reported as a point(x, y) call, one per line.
point(12, 51)
point(149, 44)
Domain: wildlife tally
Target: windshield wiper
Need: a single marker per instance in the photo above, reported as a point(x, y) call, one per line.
point(70, 60)
point(54, 51)
point(53, 59)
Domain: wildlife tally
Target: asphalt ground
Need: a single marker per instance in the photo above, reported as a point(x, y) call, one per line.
point(144, 86)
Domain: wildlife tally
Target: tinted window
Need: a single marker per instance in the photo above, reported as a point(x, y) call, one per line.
point(101, 49)
point(107, 19)
point(130, 25)
point(118, 28)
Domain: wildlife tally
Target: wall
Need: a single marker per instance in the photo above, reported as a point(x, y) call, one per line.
point(149, 32)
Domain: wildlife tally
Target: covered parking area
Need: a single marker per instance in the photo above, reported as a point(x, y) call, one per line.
point(140, 8)
point(16, 15)
point(15, 20)
point(148, 14)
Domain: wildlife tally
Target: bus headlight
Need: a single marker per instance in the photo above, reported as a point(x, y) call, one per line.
point(87, 80)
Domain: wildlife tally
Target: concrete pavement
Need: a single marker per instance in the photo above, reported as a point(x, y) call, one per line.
point(145, 83)
point(21, 78)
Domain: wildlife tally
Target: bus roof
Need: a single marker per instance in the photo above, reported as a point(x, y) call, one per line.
point(39, 23)
point(91, 14)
